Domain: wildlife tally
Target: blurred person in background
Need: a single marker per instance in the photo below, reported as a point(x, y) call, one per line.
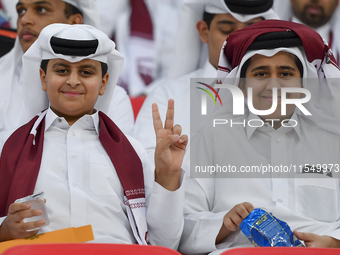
point(321, 15)
point(145, 34)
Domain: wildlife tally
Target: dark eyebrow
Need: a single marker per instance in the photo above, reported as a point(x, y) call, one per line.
point(280, 68)
point(226, 22)
point(89, 66)
point(35, 3)
point(260, 68)
point(60, 64)
point(254, 20)
point(286, 68)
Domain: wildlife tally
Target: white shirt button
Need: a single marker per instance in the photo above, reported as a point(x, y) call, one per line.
point(278, 140)
point(74, 184)
point(73, 156)
point(279, 200)
point(73, 133)
point(88, 118)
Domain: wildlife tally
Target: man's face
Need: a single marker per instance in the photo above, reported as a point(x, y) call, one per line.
point(314, 13)
point(73, 88)
point(265, 73)
point(221, 26)
point(34, 15)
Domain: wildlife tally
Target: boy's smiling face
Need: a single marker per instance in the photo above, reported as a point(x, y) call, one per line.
point(73, 88)
point(265, 73)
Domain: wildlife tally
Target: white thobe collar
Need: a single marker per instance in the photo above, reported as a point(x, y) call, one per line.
point(267, 127)
point(90, 121)
point(324, 30)
point(209, 71)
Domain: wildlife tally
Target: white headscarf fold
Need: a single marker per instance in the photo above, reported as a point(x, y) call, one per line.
point(35, 98)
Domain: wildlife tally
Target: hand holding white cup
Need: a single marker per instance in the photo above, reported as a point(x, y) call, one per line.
point(37, 202)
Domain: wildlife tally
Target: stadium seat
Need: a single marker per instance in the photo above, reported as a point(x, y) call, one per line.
point(281, 251)
point(137, 103)
point(88, 249)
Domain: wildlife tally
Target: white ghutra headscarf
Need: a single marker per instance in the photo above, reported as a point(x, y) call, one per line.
point(35, 98)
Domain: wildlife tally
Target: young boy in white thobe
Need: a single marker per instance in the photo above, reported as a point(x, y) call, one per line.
point(271, 55)
point(32, 17)
point(90, 172)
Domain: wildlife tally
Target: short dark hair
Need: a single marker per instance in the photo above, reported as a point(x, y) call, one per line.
point(208, 17)
point(247, 63)
point(44, 62)
point(71, 10)
point(244, 69)
point(104, 68)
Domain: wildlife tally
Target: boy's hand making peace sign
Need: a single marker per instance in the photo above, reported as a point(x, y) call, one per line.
point(170, 148)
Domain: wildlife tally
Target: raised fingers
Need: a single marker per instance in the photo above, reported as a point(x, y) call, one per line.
point(157, 121)
point(169, 121)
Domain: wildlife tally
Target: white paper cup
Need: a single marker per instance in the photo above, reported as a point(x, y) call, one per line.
point(37, 202)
